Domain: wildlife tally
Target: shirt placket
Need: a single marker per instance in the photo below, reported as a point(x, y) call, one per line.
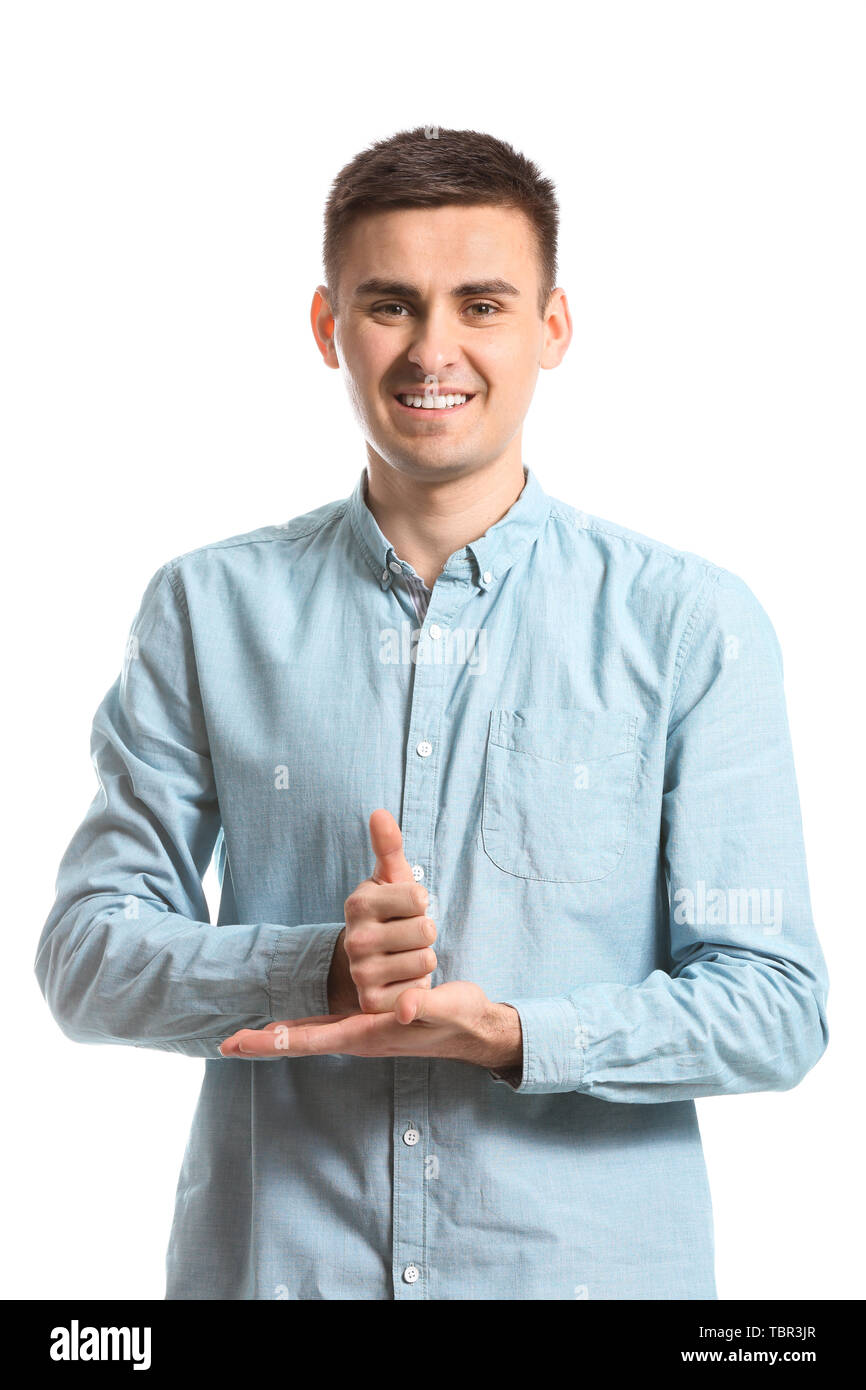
point(411, 1139)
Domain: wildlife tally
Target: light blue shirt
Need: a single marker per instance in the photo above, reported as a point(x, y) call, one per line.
point(588, 752)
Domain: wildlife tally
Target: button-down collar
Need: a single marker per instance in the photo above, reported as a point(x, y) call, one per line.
point(482, 562)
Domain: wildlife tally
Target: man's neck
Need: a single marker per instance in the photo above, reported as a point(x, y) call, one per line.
point(426, 521)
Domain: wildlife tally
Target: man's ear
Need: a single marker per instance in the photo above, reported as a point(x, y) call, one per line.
point(557, 330)
point(322, 320)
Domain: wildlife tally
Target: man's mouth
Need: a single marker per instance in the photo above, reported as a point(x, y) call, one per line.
point(440, 404)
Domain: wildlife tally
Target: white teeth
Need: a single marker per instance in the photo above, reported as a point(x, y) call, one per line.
point(433, 402)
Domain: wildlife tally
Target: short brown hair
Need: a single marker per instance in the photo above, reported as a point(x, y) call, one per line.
point(430, 167)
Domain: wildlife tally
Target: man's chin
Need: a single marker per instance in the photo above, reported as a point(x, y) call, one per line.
point(426, 463)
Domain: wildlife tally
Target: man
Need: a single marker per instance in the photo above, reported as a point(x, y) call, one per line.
point(505, 816)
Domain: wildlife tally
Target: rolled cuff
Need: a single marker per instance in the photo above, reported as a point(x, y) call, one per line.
point(298, 975)
point(554, 1048)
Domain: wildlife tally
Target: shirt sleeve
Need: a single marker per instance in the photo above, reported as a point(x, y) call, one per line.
point(128, 953)
point(741, 1005)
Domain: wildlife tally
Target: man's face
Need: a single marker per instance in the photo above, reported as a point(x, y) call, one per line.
point(448, 298)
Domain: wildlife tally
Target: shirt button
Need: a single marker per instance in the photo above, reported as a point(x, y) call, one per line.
point(417, 872)
point(411, 1137)
point(435, 631)
point(487, 577)
point(411, 1274)
point(424, 749)
point(394, 567)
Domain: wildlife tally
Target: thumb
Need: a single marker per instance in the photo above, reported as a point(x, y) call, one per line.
point(386, 838)
point(415, 1003)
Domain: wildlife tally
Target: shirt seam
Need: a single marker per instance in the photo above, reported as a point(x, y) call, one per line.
point(707, 587)
point(170, 573)
point(231, 543)
point(584, 521)
point(269, 988)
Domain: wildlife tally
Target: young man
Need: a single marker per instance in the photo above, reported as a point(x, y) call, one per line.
point(561, 747)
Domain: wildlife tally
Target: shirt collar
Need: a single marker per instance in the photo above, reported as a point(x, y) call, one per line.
point(482, 562)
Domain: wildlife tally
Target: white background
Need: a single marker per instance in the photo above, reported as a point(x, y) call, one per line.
point(164, 169)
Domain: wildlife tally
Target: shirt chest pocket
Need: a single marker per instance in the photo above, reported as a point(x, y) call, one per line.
point(558, 789)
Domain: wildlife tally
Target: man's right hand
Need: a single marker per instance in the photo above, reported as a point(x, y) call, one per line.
point(385, 946)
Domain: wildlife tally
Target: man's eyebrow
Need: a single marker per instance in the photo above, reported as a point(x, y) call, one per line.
point(485, 287)
point(400, 289)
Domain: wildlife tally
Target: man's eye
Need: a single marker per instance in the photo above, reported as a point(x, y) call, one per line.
point(493, 307)
point(387, 308)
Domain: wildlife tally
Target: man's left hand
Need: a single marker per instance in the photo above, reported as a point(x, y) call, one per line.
point(454, 1020)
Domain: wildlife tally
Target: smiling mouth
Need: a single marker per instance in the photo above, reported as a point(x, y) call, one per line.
point(434, 405)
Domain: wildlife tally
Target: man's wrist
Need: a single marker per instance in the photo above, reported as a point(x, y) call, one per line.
point(504, 1041)
point(341, 987)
